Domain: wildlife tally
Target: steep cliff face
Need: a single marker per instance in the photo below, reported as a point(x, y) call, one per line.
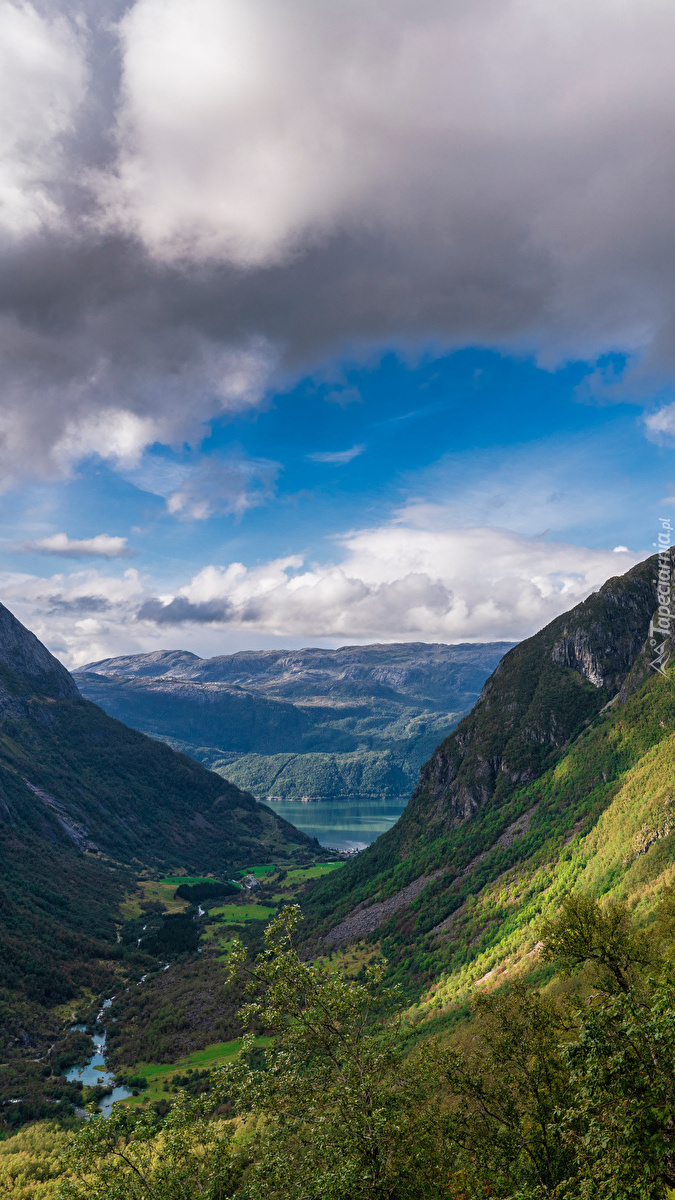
point(540, 696)
point(27, 669)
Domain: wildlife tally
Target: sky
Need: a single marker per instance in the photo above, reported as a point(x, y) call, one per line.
point(330, 323)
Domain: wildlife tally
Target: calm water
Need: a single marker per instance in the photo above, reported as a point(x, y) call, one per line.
point(341, 824)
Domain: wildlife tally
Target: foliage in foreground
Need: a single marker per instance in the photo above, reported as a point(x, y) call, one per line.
point(565, 1102)
point(31, 1162)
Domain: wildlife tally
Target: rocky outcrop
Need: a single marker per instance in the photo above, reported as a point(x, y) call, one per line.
point(365, 918)
point(27, 667)
point(76, 833)
point(541, 695)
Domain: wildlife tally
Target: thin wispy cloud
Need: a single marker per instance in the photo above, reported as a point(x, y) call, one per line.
point(204, 487)
point(337, 457)
point(100, 546)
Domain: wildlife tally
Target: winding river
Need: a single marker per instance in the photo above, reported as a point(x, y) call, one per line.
point(95, 1073)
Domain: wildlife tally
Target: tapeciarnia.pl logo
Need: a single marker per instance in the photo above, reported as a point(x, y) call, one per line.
point(660, 626)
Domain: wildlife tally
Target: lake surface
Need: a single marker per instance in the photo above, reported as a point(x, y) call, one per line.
point(341, 824)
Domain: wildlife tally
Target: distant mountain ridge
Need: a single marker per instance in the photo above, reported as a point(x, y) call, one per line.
point(293, 724)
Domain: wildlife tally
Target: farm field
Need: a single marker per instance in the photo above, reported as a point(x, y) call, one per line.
point(159, 1074)
point(234, 914)
point(301, 874)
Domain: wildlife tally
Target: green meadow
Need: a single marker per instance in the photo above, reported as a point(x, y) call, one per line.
point(160, 1074)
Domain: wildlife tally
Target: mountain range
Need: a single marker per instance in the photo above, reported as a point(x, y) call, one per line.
point(562, 777)
point(312, 723)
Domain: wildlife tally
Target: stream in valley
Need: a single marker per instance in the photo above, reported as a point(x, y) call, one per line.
point(339, 824)
point(94, 1073)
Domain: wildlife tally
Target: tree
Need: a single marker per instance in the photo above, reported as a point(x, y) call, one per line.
point(510, 1086)
point(343, 1113)
point(619, 1120)
point(586, 932)
point(128, 1156)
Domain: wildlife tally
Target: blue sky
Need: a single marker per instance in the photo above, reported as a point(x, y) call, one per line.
point(438, 431)
point(471, 439)
point(330, 323)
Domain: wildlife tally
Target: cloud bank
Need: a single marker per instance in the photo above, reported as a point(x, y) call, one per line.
point(200, 199)
point(395, 582)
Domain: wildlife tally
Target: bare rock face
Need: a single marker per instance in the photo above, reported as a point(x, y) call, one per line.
point(27, 668)
point(542, 693)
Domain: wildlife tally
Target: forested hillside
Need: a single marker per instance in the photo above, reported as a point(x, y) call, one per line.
point(85, 805)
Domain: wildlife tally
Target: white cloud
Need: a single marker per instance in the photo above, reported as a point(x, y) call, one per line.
point(114, 434)
point(399, 582)
point(100, 546)
point(274, 183)
point(171, 383)
point(660, 425)
point(492, 140)
point(337, 457)
point(80, 616)
point(42, 85)
point(396, 582)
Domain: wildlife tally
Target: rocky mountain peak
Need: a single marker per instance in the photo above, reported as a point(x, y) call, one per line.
point(541, 695)
point(27, 667)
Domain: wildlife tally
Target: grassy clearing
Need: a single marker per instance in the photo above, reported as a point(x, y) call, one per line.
point(234, 914)
point(220, 935)
point(152, 889)
point(258, 871)
point(160, 1074)
point(303, 873)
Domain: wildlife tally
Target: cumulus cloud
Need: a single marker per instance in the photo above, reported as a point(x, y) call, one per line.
point(395, 582)
point(100, 546)
point(261, 185)
point(399, 582)
point(43, 77)
point(80, 616)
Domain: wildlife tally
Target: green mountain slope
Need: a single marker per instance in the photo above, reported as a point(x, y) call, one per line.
point(91, 781)
point(323, 724)
point(85, 803)
point(560, 777)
